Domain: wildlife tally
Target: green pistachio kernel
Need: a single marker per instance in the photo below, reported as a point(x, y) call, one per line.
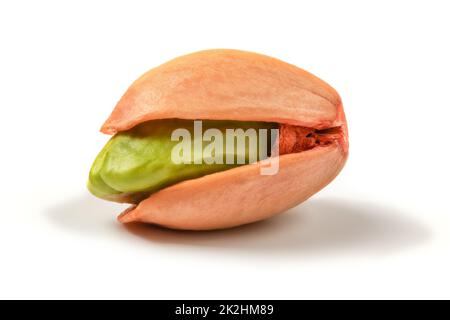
point(141, 161)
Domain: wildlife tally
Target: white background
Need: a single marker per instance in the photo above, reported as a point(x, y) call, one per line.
point(380, 230)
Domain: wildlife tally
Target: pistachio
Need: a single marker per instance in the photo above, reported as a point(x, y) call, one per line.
point(222, 85)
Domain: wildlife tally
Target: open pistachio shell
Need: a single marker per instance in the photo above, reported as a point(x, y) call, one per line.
point(243, 86)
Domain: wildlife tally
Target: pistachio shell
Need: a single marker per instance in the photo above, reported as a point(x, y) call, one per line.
point(240, 195)
point(237, 85)
point(227, 85)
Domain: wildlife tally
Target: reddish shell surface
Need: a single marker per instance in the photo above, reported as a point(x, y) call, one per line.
point(241, 195)
point(227, 85)
point(235, 85)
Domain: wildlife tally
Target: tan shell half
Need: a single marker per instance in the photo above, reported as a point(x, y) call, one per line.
point(234, 85)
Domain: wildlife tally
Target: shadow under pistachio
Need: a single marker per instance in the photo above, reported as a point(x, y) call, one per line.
point(318, 225)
